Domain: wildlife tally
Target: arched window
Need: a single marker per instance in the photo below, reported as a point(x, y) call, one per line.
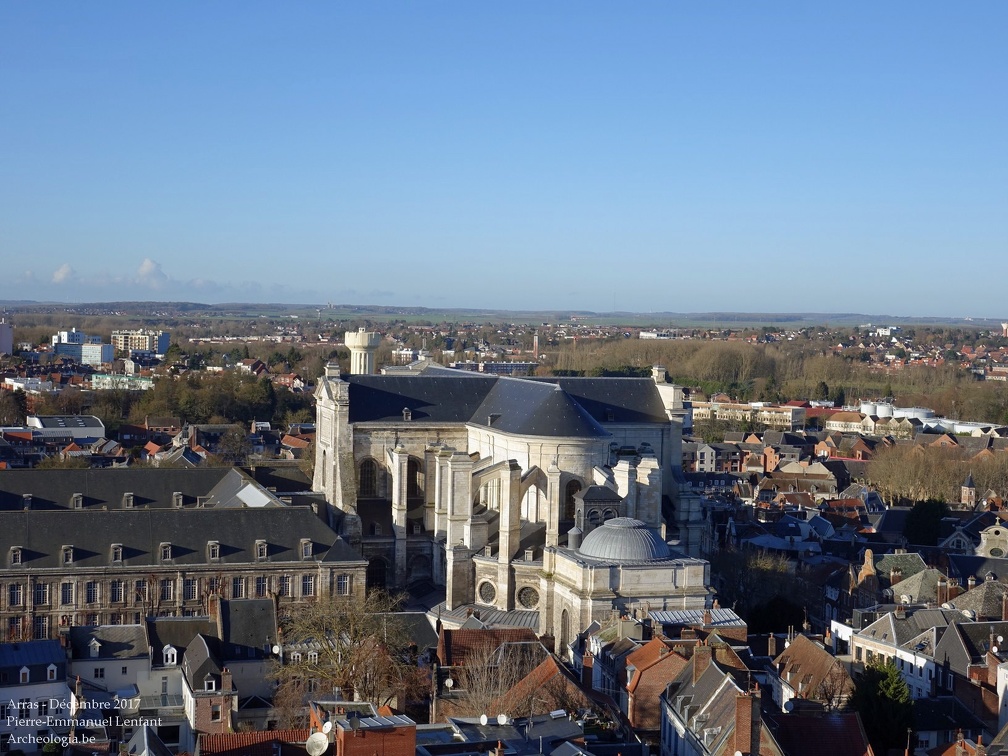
point(414, 479)
point(368, 478)
point(573, 486)
point(377, 574)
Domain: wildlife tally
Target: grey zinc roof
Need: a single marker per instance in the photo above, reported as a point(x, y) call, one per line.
point(623, 539)
point(598, 493)
point(151, 487)
point(117, 641)
point(41, 535)
point(531, 408)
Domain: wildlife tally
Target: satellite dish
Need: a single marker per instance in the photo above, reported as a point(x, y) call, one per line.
point(317, 744)
point(327, 727)
point(1000, 639)
point(483, 719)
point(449, 683)
point(276, 650)
point(502, 719)
point(789, 707)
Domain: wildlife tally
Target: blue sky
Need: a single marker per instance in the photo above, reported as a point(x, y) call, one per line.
point(647, 156)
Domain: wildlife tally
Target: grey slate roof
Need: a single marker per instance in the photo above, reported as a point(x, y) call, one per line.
point(247, 626)
point(117, 641)
point(177, 632)
point(54, 489)
point(454, 399)
point(985, 600)
point(41, 536)
point(30, 653)
point(201, 660)
point(963, 566)
point(575, 407)
point(531, 408)
point(624, 400)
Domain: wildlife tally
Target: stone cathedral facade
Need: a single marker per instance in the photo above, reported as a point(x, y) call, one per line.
point(491, 487)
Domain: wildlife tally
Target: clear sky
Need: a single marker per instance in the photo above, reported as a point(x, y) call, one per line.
point(645, 156)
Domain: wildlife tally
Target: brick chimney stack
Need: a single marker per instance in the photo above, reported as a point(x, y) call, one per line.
point(1004, 607)
point(895, 575)
point(701, 660)
point(748, 723)
point(942, 591)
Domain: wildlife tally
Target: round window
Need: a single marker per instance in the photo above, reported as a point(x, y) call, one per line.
point(528, 597)
point(487, 592)
point(996, 552)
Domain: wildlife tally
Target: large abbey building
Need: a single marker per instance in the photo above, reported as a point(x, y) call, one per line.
point(550, 496)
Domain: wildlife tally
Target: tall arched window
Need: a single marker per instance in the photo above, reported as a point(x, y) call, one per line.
point(414, 479)
point(573, 486)
point(368, 478)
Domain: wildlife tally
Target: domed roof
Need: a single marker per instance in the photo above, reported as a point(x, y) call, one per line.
point(624, 539)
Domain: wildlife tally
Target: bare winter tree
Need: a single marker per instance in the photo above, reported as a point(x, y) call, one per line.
point(836, 688)
point(354, 646)
point(490, 671)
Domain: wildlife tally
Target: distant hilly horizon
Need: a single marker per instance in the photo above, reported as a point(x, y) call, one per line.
point(345, 311)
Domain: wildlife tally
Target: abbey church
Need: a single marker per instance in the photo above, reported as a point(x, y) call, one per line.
point(554, 497)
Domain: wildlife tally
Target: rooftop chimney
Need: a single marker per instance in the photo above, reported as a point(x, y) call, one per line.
point(747, 723)
point(701, 660)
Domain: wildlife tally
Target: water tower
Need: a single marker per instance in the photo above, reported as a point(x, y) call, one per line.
point(362, 345)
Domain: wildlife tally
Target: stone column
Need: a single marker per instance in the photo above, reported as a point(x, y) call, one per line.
point(625, 475)
point(460, 510)
point(399, 461)
point(509, 530)
point(649, 491)
point(554, 505)
point(460, 576)
point(441, 488)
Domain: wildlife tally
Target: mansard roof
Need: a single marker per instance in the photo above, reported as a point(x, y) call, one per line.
point(430, 398)
point(115, 641)
point(151, 487)
point(616, 400)
point(41, 536)
point(529, 406)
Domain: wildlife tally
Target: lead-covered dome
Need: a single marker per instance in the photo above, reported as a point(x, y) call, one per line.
point(624, 539)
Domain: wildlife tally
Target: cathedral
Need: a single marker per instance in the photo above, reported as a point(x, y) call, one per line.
point(556, 497)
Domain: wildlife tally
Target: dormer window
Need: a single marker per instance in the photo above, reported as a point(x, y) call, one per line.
point(306, 548)
point(127, 501)
point(51, 672)
point(169, 655)
point(15, 556)
point(24, 675)
point(261, 550)
point(67, 555)
point(94, 647)
point(77, 501)
point(177, 499)
point(117, 552)
point(213, 551)
point(166, 552)
point(209, 684)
